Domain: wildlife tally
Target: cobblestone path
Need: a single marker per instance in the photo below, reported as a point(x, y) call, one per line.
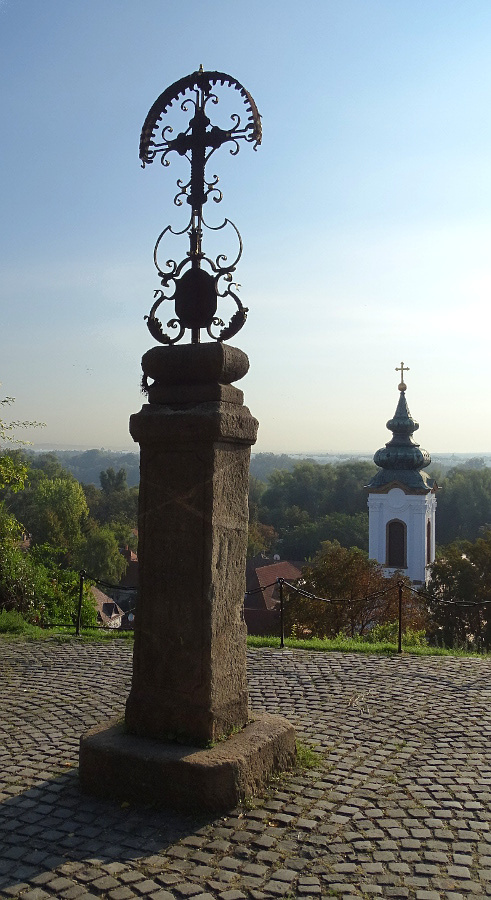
point(398, 806)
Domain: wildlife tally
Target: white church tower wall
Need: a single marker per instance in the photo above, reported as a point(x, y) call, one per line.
point(416, 513)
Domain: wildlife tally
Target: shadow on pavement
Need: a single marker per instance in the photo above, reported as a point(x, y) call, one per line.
point(55, 826)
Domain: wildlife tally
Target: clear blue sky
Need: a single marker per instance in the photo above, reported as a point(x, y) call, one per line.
point(365, 214)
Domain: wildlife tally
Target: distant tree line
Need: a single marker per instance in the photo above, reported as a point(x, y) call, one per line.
point(87, 465)
point(293, 505)
point(298, 508)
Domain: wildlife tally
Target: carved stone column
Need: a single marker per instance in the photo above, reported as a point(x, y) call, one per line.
point(195, 437)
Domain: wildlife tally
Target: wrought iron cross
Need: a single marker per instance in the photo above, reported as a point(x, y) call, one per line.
point(195, 290)
point(402, 368)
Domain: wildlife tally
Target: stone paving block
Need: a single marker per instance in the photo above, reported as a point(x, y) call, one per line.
point(398, 893)
point(130, 876)
point(288, 875)
point(268, 856)
point(232, 895)
point(142, 888)
point(254, 869)
point(121, 893)
point(74, 892)
point(187, 889)
point(426, 869)
point(36, 894)
point(458, 872)
point(14, 890)
point(114, 868)
point(104, 884)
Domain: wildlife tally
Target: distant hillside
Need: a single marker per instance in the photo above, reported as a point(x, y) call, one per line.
point(87, 465)
point(262, 464)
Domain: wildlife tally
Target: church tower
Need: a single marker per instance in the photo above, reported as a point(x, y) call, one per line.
point(401, 500)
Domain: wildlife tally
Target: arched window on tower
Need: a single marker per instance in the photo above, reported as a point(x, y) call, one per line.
point(396, 544)
point(428, 542)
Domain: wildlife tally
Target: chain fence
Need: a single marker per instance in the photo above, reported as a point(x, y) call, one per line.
point(401, 587)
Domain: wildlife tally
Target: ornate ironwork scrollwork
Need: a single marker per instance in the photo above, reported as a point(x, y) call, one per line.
point(194, 290)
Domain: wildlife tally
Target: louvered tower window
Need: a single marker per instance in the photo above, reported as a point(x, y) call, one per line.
point(396, 545)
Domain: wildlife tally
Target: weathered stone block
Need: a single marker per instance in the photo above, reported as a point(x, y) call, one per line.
point(123, 766)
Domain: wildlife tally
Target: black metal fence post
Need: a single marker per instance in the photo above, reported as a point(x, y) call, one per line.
point(282, 617)
point(399, 636)
point(80, 598)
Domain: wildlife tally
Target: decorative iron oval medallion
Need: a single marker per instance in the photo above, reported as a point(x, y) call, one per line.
point(196, 299)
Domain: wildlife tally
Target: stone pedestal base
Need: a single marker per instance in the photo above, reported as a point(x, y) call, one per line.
point(126, 767)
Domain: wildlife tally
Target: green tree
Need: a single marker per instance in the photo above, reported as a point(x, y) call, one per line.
point(10, 527)
point(93, 496)
point(37, 585)
point(464, 504)
point(256, 490)
point(125, 535)
point(304, 541)
point(462, 575)
point(349, 496)
point(358, 593)
point(117, 502)
point(306, 488)
point(112, 481)
point(263, 464)
point(260, 539)
point(13, 471)
point(311, 491)
point(58, 513)
point(99, 555)
point(476, 462)
point(49, 465)
point(87, 466)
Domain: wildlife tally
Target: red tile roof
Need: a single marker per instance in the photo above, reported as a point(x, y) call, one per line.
point(108, 612)
point(267, 578)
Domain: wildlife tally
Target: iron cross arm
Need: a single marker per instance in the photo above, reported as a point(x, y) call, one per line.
point(197, 141)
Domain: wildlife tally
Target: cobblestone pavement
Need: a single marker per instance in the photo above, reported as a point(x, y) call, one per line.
point(398, 806)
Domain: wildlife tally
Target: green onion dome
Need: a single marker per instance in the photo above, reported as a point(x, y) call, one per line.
point(402, 458)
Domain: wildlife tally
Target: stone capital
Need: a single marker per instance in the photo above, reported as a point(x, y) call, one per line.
point(202, 423)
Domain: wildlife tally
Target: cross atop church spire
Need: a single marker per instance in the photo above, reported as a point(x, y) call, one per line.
point(402, 368)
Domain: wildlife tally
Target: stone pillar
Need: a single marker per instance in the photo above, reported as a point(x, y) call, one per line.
point(189, 685)
point(189, 669)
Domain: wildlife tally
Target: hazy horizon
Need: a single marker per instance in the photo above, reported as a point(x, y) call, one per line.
point(45, 448)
